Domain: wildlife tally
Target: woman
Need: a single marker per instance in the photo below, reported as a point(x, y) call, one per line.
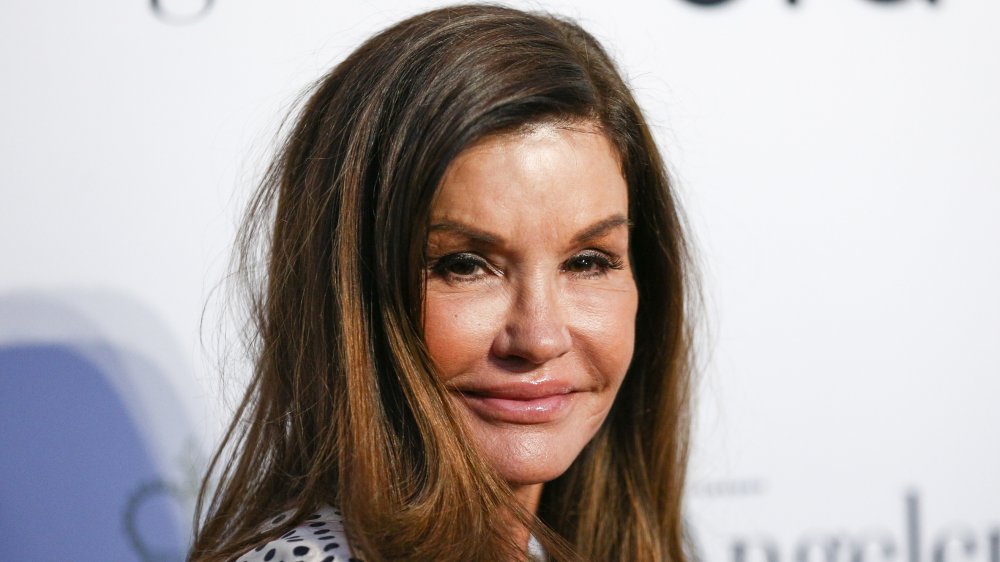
point(472, 337)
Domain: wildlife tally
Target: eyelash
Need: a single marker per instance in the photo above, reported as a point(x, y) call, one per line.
point(602, 261)
point(440, 267)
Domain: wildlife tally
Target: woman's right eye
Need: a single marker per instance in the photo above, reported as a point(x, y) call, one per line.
point(461, 267)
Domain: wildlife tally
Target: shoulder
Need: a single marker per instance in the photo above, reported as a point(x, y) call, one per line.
point(320, 538)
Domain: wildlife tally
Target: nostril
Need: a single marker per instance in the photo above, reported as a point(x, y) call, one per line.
point(513, 364)
point(526, 349)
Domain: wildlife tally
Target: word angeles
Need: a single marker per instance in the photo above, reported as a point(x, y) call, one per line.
point(956, 544)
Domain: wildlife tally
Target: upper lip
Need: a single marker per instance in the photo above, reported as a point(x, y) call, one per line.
point(518, 390)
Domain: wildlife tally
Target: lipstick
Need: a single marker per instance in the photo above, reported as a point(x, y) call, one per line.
point(519, 402)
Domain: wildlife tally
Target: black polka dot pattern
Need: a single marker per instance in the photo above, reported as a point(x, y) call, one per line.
point(321, 538)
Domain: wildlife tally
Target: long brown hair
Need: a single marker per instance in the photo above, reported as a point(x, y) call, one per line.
point(343, 407)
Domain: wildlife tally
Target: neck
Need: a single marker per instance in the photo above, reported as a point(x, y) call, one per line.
point(528, 495)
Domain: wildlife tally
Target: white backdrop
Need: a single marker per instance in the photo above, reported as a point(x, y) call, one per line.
point(840, 165)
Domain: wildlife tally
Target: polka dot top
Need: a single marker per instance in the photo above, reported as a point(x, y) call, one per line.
point(321, 538)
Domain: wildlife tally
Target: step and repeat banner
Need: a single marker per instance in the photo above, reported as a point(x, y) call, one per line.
point(839, 162)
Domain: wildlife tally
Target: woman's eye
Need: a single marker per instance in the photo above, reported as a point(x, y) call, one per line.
point(460, 267)
point(592, 264)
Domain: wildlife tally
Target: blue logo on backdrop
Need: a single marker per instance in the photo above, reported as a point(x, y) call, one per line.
point(72, 459)
point(94, 440)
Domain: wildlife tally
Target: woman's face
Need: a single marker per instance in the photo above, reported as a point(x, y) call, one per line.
point(530, 301)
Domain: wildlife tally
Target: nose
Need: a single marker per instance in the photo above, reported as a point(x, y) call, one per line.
point(535, 329)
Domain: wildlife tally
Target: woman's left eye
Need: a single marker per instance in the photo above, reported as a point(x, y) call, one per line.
point(592, 264)
point(461, 267)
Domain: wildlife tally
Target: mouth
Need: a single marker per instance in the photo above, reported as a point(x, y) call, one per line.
point(519, 404)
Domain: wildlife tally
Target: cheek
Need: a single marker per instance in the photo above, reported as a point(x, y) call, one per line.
point(607, 333)
point(459, 329)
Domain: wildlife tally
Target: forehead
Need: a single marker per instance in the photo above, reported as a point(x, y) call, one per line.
point(547, 177)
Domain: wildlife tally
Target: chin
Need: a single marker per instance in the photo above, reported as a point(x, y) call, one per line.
point(532, 455)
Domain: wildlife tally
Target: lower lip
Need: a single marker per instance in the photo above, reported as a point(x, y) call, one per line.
point(539, 410)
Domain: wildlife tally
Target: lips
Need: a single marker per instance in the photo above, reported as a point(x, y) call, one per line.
point(519, 403)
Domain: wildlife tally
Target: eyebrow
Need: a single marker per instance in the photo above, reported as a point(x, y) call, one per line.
point(600, 228)
point(596, 230)
point(470, 232)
